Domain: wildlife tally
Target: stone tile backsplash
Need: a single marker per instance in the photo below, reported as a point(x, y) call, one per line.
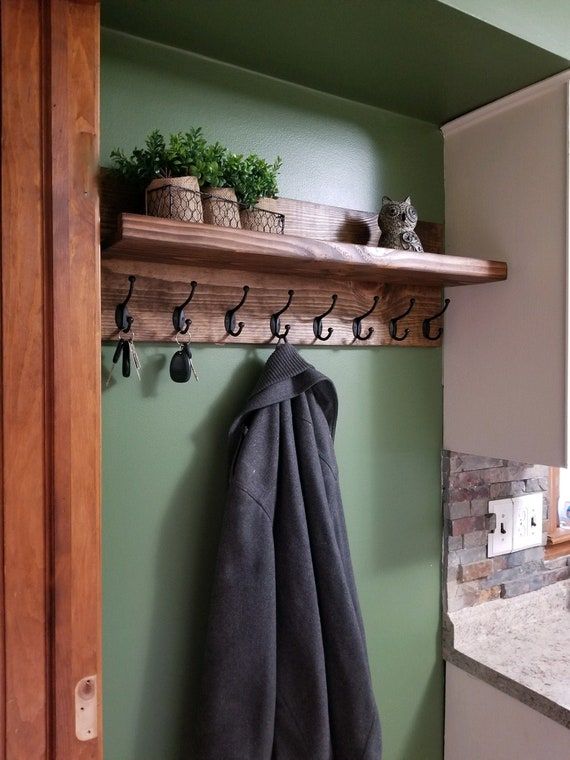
point(470, 577)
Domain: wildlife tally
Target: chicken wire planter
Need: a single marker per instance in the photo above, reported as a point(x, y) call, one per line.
point(221, 207)
point(262, 218)
point(170, 199)
point(175, 198)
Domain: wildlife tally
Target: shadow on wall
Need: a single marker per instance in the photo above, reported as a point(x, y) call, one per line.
point(388, 447)
point(185, 557)
point(393, 461)
point(422, 719)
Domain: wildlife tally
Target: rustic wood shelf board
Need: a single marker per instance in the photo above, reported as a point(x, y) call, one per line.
point(328, 255)
point(152, 239)
point(159, 288)
point(302, 218)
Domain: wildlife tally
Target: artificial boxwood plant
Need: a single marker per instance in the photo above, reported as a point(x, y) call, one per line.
point(185, 154)
point(190, 154)
point(252, 177)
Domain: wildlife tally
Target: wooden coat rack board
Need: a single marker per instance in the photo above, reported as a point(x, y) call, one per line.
point(326, 251)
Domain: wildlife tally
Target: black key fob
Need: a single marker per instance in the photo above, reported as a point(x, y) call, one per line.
point(180, 370)
point(126, 359)
point(118, 350)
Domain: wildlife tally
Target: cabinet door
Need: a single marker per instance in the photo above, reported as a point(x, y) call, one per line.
point(506, 344)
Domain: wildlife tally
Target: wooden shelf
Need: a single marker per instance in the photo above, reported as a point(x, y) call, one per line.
point(316, 263)
point(151, 239)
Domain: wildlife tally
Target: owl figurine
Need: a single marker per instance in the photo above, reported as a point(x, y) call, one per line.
point(397, 221)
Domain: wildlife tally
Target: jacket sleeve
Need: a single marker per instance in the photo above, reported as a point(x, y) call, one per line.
point(239, 684)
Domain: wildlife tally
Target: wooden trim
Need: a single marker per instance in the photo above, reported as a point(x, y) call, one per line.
point(50, 373)
point(24, 383)
point(554, 495)
point(559, 536)
point(75, 281)
point(152, 239)
point(554, 551)
point(558, 541)
point(76, 366)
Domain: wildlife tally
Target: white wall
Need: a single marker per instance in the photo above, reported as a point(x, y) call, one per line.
point(483, 723)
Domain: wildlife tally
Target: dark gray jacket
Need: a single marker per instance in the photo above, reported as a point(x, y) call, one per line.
point(286, 673)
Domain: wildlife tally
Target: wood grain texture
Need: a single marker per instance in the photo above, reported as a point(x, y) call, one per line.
point(302, 218)
point(152, 239)
point(553, 496)
point(25, 477)
point(559, 536)
point(317, 220)
point(560, 547)
point(72, 144)
point(50, 373)
point(344, 225)
point(159, 288)
point(116, 197)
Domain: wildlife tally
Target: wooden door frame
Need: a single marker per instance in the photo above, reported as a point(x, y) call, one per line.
point(50, 442)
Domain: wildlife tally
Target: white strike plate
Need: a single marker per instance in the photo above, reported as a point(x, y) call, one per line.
point(86, 709)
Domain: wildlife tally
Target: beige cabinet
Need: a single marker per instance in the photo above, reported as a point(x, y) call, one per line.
point(506, 344)
point(483, 722)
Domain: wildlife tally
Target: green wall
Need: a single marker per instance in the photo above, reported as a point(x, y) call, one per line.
point(334, 150)
point(545, 23)
point(422, 58)
point(164, 445)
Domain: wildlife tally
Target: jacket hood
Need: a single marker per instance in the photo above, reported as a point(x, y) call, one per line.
point(287, 375)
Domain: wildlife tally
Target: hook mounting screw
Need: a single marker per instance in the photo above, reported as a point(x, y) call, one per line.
point(230, 316)
point(426, 324)
point(275, 322)
point(357, 322)
point(318, 322)
point(393, 327)
point(179, 320)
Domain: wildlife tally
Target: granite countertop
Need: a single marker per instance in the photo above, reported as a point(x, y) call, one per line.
point(519, 645)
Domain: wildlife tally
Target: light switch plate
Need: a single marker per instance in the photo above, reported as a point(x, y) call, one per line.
point(501, 539)
point(527, 521)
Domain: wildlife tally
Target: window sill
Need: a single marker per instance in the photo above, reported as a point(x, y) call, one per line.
point(558, 543)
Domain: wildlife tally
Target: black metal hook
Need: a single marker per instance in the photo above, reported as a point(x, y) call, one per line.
point(275, 322)
point(318, 322)
point(393, 327)
point(179, 320)
point(426, 324)
point(123, 319)
point(357, 322)
point(230, 317)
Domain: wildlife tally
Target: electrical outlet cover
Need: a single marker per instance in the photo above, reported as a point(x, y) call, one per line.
point(501, 539)
point(527, 521)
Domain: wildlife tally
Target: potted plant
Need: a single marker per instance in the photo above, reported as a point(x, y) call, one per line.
point(169, 171)
point(255, 181)
point(189, 179)
point(219, 197)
